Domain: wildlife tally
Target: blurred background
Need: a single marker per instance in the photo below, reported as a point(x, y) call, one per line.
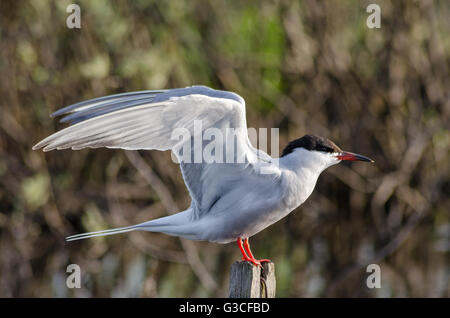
point(303, 67)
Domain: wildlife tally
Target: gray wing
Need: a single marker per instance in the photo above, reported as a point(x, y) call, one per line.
point(147, 120)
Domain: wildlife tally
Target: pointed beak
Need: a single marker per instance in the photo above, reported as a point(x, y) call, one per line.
point(353, 157)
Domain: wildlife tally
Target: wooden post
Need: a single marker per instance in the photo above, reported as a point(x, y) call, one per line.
point(249, 281)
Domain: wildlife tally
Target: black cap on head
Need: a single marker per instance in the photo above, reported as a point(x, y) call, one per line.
point(311, 142)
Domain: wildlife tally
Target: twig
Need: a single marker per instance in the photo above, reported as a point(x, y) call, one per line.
point(387, 250)
point(141, 244)
point(154, 251)
point(169, 203)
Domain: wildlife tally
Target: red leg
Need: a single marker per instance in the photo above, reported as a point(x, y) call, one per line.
point(249, 252)
point(244, 254)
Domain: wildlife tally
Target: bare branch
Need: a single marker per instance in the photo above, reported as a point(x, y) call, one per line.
point(170, 204)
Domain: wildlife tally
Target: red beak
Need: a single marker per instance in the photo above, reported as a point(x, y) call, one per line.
point(353, 157)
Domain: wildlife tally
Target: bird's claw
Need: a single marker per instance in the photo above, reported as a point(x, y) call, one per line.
point(256, 262)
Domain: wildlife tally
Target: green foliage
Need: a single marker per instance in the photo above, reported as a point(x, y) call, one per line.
point(303, 67)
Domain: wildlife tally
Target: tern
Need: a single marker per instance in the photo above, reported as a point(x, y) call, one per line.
point(231, 200)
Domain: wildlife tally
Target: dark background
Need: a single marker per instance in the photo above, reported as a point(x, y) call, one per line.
point(303, 67)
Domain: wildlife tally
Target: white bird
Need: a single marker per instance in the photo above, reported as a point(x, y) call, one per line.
point(231, 201)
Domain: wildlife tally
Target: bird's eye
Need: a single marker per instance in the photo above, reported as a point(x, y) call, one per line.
point(325, 149)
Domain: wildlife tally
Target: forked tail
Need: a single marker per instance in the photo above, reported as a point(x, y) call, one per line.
point(101, 233)
point(176, 224)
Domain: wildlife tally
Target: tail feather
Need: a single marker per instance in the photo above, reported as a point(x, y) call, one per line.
point(172, 225)
point(101, 233)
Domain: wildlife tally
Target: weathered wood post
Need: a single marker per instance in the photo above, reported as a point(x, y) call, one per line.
point(249, 281)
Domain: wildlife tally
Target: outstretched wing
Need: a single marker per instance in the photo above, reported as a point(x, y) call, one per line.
point(148, 120)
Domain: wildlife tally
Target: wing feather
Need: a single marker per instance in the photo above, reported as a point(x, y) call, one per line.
point(147, 119)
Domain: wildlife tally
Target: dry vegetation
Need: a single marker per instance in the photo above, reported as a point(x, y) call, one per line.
point(305, 67)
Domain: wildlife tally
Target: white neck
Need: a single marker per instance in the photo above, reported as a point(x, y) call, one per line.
point(302, 168)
